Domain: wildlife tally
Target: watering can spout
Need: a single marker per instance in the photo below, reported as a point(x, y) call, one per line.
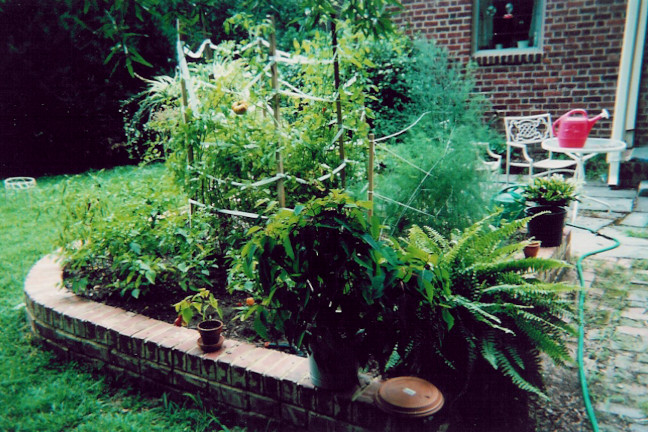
point(604, 114)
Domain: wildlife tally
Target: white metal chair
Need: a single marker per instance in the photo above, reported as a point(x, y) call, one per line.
point(524, 134)
point(490, 160)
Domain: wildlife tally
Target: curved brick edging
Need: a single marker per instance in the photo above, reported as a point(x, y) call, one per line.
point(258, 383)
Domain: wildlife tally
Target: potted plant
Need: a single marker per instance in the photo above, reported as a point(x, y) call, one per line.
point(471, 316)
point(317, 270)
point(204, 304)
point(547, 201)
point(531, 249)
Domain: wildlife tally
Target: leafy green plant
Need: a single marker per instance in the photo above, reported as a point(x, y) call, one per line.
point(554, 190)
point(471, 303)
point(134, 240)
point(202, 303)
point(317, 269)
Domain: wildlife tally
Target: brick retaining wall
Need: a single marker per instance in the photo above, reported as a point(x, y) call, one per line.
point(262, 386)
point(265, 388)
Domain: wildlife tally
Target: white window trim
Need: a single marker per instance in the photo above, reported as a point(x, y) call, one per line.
point(488, 53)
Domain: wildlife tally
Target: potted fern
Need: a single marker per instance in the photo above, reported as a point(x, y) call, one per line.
point(470, 315)
point(316, 269)
point(547, 200)
point(205, 305)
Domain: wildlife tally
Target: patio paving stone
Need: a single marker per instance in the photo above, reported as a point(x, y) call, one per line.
point(616, 350)
point(636, 219)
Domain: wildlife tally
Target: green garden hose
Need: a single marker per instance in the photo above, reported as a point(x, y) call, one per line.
point(581, 324)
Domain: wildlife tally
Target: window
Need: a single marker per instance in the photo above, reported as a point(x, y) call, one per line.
point(507, 24)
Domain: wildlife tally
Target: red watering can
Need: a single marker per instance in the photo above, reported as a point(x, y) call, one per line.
point(573, 128)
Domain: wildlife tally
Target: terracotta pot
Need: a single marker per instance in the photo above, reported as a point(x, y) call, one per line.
point(531, 250)
point(210, 331)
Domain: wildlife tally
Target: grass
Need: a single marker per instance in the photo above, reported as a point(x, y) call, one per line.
point(38, 392)
point(638, 233)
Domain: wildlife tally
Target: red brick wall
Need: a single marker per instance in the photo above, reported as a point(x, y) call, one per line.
point(578, 67)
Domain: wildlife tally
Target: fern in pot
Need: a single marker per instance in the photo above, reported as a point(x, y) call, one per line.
point(547, 202)
point(471, 316)
point(318, 270)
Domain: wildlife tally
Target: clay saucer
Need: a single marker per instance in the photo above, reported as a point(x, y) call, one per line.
point(409, 397)
point(211, 347)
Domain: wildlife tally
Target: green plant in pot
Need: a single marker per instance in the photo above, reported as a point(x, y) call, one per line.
point(204, 304)
point(547, 202)
point(471, 316)
point(318, 270)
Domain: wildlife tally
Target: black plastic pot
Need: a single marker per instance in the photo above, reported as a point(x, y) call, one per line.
point(547, 228)
point(333, 367)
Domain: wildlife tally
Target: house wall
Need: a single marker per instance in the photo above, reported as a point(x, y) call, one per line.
point(641, 133)
point(578, 67)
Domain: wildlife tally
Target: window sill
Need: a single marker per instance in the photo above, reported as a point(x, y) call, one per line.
point(509, 56)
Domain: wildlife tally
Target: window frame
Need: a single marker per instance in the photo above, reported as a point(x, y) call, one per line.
point(529, 53)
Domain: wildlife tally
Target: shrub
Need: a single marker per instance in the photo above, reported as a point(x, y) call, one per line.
point(318, 270)
point(441, 178)
point(442, 186)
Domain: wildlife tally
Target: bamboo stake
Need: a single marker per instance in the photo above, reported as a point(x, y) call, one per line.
point(208, 51)
point(281, 192)
point(370, 172)
point(185, 116)
point(338, 100)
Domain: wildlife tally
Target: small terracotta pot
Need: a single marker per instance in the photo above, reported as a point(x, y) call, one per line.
point(531, 250)
point(210, 331)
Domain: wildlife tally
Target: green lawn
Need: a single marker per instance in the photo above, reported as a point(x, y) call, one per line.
point(38, 393)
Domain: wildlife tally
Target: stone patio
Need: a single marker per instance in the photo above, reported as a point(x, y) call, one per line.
point(616, 330)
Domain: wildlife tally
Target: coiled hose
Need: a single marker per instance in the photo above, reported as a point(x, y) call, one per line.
point(581, 324)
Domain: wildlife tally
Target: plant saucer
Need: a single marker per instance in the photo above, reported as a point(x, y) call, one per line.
point(211, 347)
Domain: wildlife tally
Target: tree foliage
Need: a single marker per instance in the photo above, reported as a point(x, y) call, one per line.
point(68, 64)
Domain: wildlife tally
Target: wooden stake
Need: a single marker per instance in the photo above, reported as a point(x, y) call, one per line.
point(370, 172)
point(338, 100)
point(281, 192)
point(185, 117)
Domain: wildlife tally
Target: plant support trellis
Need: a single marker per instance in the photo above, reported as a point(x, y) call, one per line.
point(191, 105)
point(274, 92)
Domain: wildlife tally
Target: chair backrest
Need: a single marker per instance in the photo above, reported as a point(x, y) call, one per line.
point(528, 129)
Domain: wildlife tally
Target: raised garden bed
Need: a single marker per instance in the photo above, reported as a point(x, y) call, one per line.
point(262, 386)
